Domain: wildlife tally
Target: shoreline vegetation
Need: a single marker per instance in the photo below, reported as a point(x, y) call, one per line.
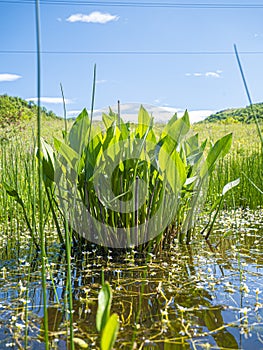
point(244, 154)
point(18, 118)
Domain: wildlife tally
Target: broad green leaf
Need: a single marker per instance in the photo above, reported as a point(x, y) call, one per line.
point(194, 158)
point(178, 129)
point(108, 120)
point(111, 137)
point(79, 132)
point(170, 124)
point(91, 155)
point(125, 130)
point(110, 332)
point(104, 305)
point(191, 145)
point(230, 185)
point(67, 152)
point(173, 168)
point(167, 144)
point(219, 150)
point(48, 161)
point(144, 130)
point(144, 122)
point(111, 146)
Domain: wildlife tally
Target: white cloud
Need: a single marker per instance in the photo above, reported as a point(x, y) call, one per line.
point(51, 100)
point(73, 113)
point(93, 17)
point(198, 115)
point(129, 112)
point(9, 77)
point(216, 74)
point(101, 81)
point(212, 74)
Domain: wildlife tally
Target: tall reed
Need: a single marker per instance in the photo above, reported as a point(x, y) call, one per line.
point(246, 165)
point(248, 96)
point(40, 178)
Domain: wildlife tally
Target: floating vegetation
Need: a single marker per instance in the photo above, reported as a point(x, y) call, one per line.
point(204, 295)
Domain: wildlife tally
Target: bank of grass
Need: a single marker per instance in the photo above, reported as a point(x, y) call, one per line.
point(244, 135)
point(244, 161)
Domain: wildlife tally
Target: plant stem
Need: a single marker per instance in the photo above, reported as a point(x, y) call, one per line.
point(40, 177)
point(248, 95)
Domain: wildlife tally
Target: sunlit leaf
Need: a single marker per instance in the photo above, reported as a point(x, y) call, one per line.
point(219, 150)
point(173, 168)
point(48, 162)
point(104, 305)
point(110, 332)
point(178, 129)
point(230, 185)
point(79, 132)
point(67, 152)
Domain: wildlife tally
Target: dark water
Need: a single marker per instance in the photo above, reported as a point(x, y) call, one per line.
point(207, 295)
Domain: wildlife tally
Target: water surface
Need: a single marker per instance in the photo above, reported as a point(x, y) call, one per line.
point(207, 295)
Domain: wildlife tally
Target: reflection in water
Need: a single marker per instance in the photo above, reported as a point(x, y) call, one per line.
point(190, 296)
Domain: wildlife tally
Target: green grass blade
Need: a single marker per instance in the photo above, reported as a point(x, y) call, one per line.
point(40, 177)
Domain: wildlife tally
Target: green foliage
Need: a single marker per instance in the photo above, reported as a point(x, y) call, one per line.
point(15, 109)
point(243, 163)
point(104, 305)
point(107, 325)
point(237, 115)
point(126, 177)
point(109, 333)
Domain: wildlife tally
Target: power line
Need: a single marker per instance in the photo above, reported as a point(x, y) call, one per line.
point(28, 52)
point(141, 4)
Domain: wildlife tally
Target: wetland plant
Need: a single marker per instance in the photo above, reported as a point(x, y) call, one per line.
point(126, 186)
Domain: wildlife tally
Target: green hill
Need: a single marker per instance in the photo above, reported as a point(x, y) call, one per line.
point(18, 115)
point(14, 110)
point(238, 115)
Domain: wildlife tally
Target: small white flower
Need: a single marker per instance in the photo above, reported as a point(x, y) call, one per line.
point(244, 288)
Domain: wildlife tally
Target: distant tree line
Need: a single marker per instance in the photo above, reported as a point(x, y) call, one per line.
point(238, 115)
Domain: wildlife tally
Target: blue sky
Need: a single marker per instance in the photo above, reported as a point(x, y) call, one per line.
point(162, 56)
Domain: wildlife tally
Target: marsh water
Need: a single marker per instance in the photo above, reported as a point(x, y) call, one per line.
point(206, 295)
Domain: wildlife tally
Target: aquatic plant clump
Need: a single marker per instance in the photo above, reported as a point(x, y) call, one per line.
point(127, 186)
